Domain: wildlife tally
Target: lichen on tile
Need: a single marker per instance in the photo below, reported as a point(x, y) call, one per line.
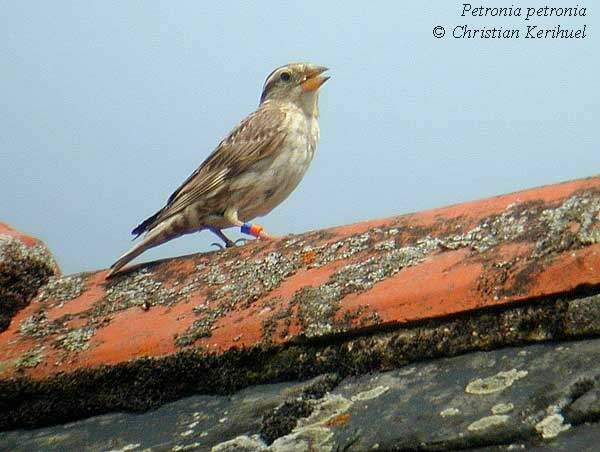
point(37, 326)
point(570, 225)
point(62, 288)
point(23, 270)
point(134, 290)
point(488, 422)
point(552, 425)
point(495, 383)
point(502, 408)
point(31, 358)
point(448, 412)
point(370, 394)
point(75, 340)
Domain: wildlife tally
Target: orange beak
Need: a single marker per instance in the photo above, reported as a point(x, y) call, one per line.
point(314, 79)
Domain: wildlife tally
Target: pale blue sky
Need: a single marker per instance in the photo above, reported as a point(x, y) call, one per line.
point(108, 106)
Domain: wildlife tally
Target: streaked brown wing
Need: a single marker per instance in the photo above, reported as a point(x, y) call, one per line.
point(255, 138)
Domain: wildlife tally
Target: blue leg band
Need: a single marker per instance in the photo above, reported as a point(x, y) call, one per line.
point(245, 228)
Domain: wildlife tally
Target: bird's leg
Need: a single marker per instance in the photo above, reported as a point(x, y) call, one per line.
point(254, 230)
point(228, 242)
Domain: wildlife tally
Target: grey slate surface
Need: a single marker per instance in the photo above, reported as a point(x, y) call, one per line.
point(535, 397)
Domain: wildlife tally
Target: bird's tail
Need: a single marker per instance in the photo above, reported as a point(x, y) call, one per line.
point(154, 237)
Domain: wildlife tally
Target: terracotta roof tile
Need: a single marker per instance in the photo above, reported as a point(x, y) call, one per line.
point(25, 265)
point(366, 277)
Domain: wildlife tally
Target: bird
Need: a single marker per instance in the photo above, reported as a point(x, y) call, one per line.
point(250, 172)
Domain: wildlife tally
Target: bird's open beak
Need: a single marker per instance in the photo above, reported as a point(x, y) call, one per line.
point(314, 79)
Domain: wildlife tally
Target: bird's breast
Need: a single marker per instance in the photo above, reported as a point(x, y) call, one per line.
point(276, 177)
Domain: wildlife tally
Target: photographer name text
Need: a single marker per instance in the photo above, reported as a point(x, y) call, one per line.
point(566, 28)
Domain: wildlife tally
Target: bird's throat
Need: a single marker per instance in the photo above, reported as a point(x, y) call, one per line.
point(309, 101)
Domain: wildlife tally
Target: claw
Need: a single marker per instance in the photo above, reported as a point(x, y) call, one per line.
point(228, 242)
point(240, 241)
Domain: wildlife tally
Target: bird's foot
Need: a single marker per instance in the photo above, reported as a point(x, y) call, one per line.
point(228, 242)
point(231, 243)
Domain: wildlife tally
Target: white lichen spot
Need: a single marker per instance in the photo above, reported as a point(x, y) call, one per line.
point(125, 448)
point(551, 426)
point(386, 245)
point(180, 447)
point(449, 412)
point(187, 433)
point(495, 383)
point(487, 422)
point(370, 394)
point(243, 442)
point(308, 439)
point(502, 408)
point(409, 371)
point(54, 441)
point(291, 242)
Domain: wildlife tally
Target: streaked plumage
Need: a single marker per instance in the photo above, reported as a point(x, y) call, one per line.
point(251, 171)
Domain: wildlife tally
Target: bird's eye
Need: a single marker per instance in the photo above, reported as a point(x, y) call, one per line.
point(285, 76)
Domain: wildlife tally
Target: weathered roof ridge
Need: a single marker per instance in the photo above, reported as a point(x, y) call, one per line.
point(503, 270)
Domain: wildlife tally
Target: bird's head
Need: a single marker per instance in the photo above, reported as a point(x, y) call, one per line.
point(296, 82)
